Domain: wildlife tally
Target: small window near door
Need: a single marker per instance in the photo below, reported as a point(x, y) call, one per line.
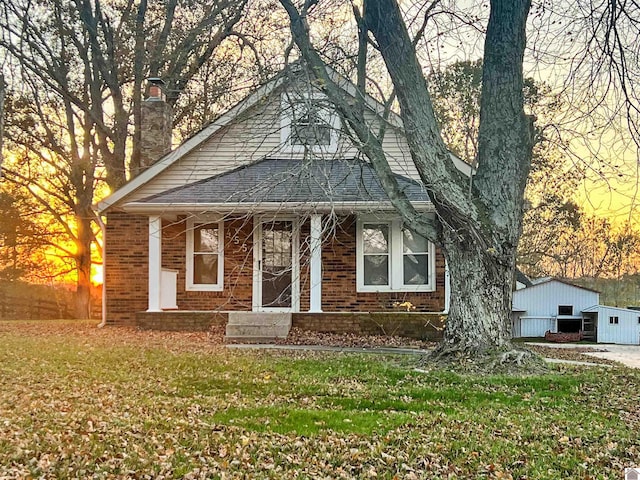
point(614, 320)
point(565, 310)
point(204, 255)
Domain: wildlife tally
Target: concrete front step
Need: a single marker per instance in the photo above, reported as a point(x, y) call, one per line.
point(246, 340)
point(257, 327)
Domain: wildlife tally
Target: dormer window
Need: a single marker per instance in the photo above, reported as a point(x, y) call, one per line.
point(309, 124)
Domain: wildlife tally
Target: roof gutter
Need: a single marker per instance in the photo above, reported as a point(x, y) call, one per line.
point(243, 207)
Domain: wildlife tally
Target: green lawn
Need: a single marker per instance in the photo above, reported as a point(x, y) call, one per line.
point(77, 402)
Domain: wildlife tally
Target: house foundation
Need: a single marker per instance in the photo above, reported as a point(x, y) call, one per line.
point(423, 326)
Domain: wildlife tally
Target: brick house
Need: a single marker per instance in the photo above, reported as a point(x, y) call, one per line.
point(270, 208)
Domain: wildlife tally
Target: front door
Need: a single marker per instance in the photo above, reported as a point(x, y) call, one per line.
point(276, 282)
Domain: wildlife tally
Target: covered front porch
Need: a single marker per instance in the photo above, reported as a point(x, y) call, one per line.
point(273, 236)
point(281, 254)
point(283, 235)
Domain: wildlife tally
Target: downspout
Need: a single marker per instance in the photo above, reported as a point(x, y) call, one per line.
point(447, 289)
point(447, 293)
point(103, 229)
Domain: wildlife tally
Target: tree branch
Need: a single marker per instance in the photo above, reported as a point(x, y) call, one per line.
point(368, 142)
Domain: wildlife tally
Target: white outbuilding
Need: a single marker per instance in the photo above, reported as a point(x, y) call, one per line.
point(555, 305)
point(550, 304)
point(616, 325)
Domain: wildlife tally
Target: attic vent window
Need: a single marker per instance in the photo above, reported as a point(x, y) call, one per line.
point(311, 128)
point(309, 124)
point(565, 310)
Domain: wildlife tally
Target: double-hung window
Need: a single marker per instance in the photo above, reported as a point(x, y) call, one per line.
point(393, 258)
point(309, 124)
point(205, 249)
point(376, 253)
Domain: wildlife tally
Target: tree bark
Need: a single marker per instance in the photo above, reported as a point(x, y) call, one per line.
point(481, 291)
point(482, 253)
point(83, 267)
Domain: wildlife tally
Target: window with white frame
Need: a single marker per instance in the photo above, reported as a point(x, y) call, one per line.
point(614, 320)
point(309, 124)
point(205, 248)
point(393, 258)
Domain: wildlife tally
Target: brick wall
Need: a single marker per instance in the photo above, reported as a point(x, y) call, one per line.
point(424, 326)
point(238, 264)
point(127, 267)
point(184, 321)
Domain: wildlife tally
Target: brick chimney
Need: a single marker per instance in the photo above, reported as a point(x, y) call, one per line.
point(156, 125)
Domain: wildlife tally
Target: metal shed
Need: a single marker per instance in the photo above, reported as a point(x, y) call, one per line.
point(616, 325)
point(552, 305)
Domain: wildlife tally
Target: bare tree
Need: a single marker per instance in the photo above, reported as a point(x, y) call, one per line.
point(22, 236)
point(113, 47)
point(551, 210)
point(479, 219)
point(77, 69)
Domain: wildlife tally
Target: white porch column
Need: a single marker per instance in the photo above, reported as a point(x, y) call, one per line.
point(155, 262)
point(315, 274)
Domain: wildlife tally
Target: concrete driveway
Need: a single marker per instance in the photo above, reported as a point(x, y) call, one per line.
point(628, 355)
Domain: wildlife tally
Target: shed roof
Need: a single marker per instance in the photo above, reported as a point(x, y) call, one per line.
point(290, 181)
point(597, 308)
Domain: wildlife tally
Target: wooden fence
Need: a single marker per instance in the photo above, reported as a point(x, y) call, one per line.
point(14, 307)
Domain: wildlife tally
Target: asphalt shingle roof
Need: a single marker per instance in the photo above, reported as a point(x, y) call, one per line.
point(290, 181)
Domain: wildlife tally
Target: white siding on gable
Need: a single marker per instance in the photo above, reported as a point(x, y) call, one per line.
point(398, 154)
point(626, 331)
point(248, 139)
point(543, 300)
point(254, 135)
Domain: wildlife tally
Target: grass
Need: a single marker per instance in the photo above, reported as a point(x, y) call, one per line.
point(77, 402)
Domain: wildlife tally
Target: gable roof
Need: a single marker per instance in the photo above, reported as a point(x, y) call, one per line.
point(227, 118)
point(545, 280)
point(189, 145)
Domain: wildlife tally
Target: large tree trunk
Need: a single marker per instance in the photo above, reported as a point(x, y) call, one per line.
point(478, 326)
point(479, 320)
